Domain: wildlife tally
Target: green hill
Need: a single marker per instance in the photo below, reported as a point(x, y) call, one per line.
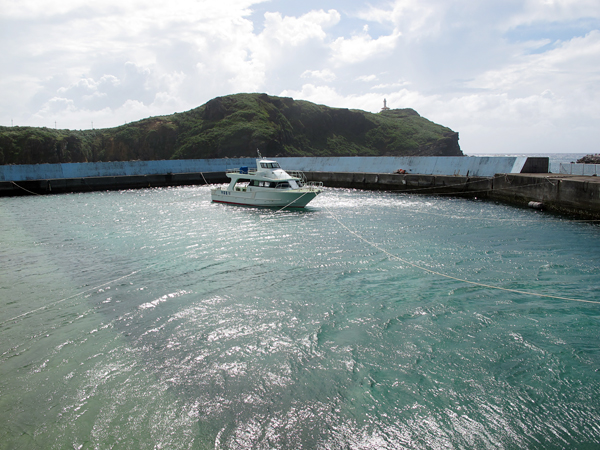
point(235, 126)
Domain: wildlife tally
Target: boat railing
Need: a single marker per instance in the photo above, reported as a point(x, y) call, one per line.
point(313, 185)
point(242, 170)
point(297, 174)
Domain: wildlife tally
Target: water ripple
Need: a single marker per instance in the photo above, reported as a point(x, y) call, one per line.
point(155, 319)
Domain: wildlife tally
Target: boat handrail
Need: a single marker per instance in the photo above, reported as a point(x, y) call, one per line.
point(250, 171)
point(313, 185)
point(297, 174)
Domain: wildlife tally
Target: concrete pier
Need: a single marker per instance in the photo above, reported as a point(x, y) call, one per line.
point(89, 184)
point(465, 177)
point(564, 194)
point(474, 166)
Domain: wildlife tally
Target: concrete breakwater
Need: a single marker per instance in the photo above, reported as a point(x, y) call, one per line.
point(526, 180)
point(564, 194)
point(82, 177)
point(443, 165)
point(107, 183)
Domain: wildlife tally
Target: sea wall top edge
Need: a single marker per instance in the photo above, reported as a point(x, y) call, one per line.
point(428, 165)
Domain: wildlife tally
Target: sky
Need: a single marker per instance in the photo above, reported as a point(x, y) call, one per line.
point(512, 77)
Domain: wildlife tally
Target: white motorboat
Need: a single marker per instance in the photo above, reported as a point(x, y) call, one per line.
point(267, 185)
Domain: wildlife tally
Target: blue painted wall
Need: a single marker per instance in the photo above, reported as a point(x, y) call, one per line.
point(425, 165)
point(451, 165)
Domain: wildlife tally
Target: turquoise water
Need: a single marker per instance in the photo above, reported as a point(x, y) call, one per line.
point(156, 319)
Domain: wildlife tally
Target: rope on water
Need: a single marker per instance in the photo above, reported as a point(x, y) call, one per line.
point(433, 272)
point(75, 295)
point(295, 200)
point(432, 188)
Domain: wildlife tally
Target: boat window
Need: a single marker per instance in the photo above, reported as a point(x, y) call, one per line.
point(254, 183)
point(283, 185)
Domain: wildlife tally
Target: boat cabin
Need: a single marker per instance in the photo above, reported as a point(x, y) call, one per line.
point(268, 174)
point(269, 165)
point(266, 185)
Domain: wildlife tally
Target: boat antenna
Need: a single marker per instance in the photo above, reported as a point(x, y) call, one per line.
point(259, 155)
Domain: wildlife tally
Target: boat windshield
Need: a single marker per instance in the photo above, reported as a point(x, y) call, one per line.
point(262, 183)
point(270, 165)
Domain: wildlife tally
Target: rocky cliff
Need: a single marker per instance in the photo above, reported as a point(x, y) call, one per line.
point(234, 126)
point(589, 159)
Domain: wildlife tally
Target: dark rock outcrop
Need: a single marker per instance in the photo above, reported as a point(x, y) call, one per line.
point(589, 159)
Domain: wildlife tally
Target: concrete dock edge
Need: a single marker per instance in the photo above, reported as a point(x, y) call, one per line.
point(564, 194)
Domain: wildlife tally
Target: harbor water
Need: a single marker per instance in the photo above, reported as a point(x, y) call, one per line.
point(369, 320)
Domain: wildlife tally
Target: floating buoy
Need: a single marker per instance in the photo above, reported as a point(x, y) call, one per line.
point(535, 205)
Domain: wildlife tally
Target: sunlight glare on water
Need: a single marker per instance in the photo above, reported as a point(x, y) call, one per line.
point(156, 319)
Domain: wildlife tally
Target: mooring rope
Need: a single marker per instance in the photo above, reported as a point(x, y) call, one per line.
point(295, 200)
point(354, 233)
point(432, 188)
point(75, 295)
point(26, 190)
point(433, 272)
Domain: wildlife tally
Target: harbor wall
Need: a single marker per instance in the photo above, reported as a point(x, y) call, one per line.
point(108, 183)
point(580, 169)
point(451, 165)
point(564, 194)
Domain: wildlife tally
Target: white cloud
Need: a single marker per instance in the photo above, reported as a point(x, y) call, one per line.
point(329, 96)
point(295, 30)
point(391, 85)
point(411, 17)
point(570, 66)
point(508, 72)
point(325, 74)
point(362, 47)
point(367, 78)
point(554, 11)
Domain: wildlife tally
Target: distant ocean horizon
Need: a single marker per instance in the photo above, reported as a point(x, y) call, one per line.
point(556, 159)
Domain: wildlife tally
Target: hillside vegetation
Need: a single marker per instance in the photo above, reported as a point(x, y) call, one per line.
point(235, 126)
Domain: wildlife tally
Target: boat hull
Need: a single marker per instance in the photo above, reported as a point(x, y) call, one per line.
point(290, 199)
